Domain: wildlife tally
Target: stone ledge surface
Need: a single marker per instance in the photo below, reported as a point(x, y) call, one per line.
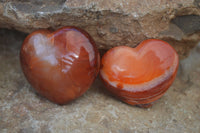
point(23, 111)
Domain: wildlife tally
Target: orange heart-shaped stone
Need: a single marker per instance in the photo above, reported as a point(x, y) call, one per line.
point(60, 65)
point(139, 75)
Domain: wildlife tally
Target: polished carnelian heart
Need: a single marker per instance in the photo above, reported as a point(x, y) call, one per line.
point(141, 75)
point(60, 65)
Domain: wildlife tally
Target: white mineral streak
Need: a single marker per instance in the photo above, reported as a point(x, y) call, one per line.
point(147, 85)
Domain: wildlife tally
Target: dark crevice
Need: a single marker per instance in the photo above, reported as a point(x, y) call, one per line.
point(188, 24)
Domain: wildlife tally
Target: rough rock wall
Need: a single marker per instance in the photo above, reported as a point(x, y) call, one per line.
point(110, 22)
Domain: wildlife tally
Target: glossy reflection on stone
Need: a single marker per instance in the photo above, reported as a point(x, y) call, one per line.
point(60, 65)
point(141, 75)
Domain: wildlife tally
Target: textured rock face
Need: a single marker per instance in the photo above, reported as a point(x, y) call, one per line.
point(110, 22)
